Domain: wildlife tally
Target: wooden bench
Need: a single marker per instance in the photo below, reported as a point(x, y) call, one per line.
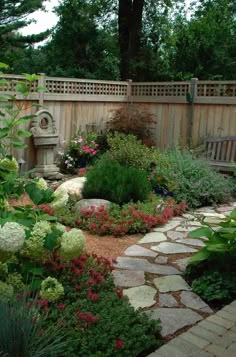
point(221, 152)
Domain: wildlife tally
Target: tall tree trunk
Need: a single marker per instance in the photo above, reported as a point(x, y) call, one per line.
point(130, 27)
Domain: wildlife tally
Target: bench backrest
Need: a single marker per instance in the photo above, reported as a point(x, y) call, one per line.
point(221, 149)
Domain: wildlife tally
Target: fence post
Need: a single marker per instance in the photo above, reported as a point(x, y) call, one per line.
point(193, 95)
point(41, 83)
point(129, 90)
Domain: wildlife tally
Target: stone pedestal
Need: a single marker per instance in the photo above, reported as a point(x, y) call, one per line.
point(45, 140)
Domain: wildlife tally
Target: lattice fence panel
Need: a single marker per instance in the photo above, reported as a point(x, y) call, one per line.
point(86, 88)
point(160, 89)
point(12, 82)
point(215, 89)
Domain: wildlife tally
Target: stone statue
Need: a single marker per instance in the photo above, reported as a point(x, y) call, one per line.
point(45, 139)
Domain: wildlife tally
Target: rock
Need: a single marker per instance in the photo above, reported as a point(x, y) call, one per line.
point(153, 237)
point(182, 263)
point(213, 214)
point(140, 297)
point(185, 229)
point(74, 186)
point(173, 319)
point(171, 283)
point(167, 300)
point(91, 202)
point(192, 300)
point(161, 260)
point(172, 248)
point(144, 265)
point(136, 250)
point(128, 278)
point(191, 241)
point(175, 235)
point(167, 227)
point(223, 209)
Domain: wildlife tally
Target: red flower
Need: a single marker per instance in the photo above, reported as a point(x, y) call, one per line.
point(61, 306)
point(119, 293)
point(92, 296)
point(86, 317)
point(119, 343)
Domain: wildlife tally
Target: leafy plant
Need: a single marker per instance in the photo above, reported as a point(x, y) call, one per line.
point(119, 184)
point(11, 133)
point(133, 119)
point(127, 219)
point(220, 245)
point(97, 318)
point(192, 180)
point(128, 150)
point(216, 286)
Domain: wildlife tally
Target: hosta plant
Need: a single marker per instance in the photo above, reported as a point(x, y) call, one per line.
point(220, 244)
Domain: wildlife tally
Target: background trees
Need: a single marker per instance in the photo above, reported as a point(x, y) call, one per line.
point(145, 40)
point(13, 17)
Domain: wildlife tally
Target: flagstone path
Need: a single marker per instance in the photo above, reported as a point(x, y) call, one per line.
point(150, 273)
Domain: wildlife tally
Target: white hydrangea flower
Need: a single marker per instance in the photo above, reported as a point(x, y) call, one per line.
point(51, 289)
point(42, 184)
point(72, 244)
point(60, 227)
point(12, 236)
point(60, 198)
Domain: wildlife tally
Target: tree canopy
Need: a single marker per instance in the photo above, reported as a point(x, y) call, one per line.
point(145, 40)
point(13, 17)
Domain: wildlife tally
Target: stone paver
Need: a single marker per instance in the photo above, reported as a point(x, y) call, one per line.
point(161, 260)
point(171, 283)
point(137, 250)
point(173, 319)
point(173, 248)
point(192, 300)
point(173, 235)
point(182, 263)
point(153, 237)
point(167, 300)
point(128, 278)
point(143, 264)
point(190, 241)
point(141, 296)
point(167, 227)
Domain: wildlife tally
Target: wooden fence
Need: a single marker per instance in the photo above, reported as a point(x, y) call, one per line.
point(186, 112)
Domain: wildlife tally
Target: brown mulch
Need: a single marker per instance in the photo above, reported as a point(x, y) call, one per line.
point(22, 201)
point(109, 246)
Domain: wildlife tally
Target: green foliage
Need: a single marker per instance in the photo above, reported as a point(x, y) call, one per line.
point(220, 247)
point(128, 150)
point(22, 334)
point(192, 180)
point(215, 286)
point(128, 219)
point(119, 184)
point(97, 318)
point(11, 133)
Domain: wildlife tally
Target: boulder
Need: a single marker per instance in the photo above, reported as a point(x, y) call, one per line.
point(91, 202)
point(74, 186)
